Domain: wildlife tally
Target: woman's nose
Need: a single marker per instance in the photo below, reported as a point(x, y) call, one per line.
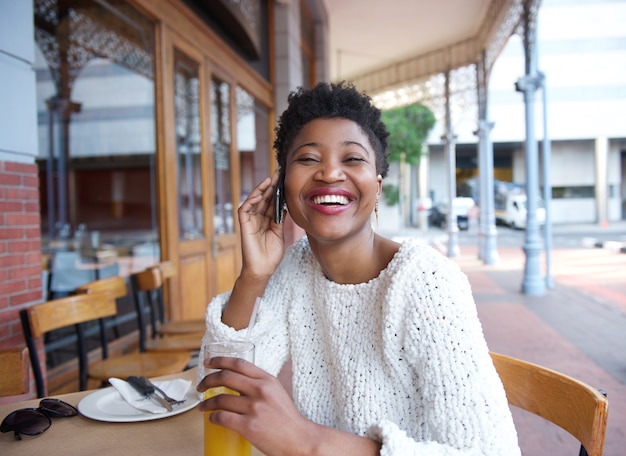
point(330, 171)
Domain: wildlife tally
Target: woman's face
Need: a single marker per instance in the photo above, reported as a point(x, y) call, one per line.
point(331, 184)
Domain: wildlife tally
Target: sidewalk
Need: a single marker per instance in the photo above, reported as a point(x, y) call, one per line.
point(578, 327)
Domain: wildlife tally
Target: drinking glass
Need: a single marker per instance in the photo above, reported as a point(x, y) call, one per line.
point(218, 440)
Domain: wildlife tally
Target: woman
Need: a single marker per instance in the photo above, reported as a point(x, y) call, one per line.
point(388, 353)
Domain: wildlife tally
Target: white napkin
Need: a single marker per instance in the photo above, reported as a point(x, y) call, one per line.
point(176, 389)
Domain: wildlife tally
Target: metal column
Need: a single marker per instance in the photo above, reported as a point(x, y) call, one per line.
point(487, 238)
point(450, 165)
point(546, 154)
point(533, 282)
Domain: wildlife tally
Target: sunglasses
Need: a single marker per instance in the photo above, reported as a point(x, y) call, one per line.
point(35, 421)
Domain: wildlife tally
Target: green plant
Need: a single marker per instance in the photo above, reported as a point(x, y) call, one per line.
point(391, 193)
point(408, 127)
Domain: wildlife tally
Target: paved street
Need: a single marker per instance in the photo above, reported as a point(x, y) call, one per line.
point(578, 327)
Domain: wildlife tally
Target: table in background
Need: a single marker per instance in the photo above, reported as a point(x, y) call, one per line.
point(179, 434)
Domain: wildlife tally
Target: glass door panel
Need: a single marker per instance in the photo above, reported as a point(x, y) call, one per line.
point(221, 140)
point(188, 147)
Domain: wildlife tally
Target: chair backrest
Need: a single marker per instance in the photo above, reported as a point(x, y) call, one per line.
point(146, 286)
point(14, 366)
point(60, 313)
point(569, 403)
point(167, 271)
point(115, 286)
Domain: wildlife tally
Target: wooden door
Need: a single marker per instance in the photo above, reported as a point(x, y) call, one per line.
point(186, 171)
point(199, 190)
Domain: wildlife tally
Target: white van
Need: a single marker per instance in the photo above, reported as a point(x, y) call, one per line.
point(513, 212)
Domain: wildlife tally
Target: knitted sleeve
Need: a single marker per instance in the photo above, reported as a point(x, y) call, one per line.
point(271, 344)
point(463, 409)
point(270, 333)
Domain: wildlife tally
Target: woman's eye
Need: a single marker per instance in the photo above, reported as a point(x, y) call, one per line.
point(355, 159)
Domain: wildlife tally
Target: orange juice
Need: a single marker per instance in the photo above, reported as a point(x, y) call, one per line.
point(221, 441)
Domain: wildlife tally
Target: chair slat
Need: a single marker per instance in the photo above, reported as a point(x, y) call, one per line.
point(567, 402)
point(71, 310)
point(115, 286)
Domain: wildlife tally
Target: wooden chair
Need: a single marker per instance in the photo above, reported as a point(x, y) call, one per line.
point(147, 287)
point(116, 287)
point(571, 404)
point(77, 310)
point(14, 366)
point(148, 290)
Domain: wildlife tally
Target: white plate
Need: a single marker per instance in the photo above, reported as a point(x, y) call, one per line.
point(108, 405)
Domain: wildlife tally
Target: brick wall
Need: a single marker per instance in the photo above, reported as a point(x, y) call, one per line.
point(20, 250)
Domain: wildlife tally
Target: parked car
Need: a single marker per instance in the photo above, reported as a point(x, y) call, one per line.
point(511, 211)
point(461, 207)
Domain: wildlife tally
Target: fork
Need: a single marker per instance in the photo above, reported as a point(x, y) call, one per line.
point(169, 399)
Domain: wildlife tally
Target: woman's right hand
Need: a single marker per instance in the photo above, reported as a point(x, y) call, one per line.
point(262, 239)
point(261, 249)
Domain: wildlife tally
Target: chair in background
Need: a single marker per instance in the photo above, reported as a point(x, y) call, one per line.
point(116, 287)
point(147, 287)
point(75, 311)
point(14, 367)
point(571, 404)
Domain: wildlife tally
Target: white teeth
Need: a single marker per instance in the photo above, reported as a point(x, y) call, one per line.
point(331, 199)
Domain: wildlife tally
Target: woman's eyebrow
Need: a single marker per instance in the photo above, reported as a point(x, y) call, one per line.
point(356, 143)
point(309, 144)
point(317, 145)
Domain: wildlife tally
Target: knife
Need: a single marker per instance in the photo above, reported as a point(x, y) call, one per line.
point(142, 385)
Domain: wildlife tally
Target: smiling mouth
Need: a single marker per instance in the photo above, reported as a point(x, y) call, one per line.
point(331, 200)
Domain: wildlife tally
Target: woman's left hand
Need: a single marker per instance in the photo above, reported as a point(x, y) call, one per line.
point(263, 411)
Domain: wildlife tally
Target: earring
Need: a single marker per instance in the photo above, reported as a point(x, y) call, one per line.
point(376, 211)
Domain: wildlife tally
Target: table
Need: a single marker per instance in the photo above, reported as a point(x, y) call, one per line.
point(77, 436)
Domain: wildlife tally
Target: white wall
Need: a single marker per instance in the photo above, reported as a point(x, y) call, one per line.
point(18, 114)
point(582, 51)
point(573, 163)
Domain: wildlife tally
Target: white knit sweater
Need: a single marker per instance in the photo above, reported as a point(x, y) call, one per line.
point(401, 359)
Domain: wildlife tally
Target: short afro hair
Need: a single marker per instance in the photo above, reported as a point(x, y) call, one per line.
point(330, 101)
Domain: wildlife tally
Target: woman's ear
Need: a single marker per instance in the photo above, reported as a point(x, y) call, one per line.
point(379, 183)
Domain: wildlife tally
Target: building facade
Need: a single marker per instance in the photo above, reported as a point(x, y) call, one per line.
point(131, 131)
point(582, 52)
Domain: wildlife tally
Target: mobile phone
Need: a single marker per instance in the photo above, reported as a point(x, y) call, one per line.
point(279, 199)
